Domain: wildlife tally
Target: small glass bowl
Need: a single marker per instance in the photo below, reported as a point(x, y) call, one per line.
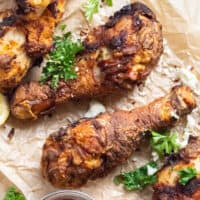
point(67, 195)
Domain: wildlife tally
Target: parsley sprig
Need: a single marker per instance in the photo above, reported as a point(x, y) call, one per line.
point(164, 144)
point(186, 175)
point(109, 2)
point(13, 194)
point(139, 178)
point(92, 7)
point(60, 64)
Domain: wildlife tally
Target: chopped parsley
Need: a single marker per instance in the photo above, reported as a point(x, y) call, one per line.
point(60, 63)
point(186, 175)
point(164, 144)
point(109, 2)
point(63, 27)
point(92, 7)
point(13, 194)
point(139, 178)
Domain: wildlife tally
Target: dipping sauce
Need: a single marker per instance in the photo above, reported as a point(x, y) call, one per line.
point(67, 199)
point(74, 198)
point(63, 198)
point(67, 195)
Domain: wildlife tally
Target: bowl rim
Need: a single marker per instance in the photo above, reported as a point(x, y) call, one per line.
point(72, 192)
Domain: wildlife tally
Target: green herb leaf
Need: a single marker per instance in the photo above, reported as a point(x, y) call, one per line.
point(91, 7)
point(164, 144)
point(139, 178)
point(186, 175)
point(60, 64)
point(13, 194)
point(63, 27)
point(109, 2)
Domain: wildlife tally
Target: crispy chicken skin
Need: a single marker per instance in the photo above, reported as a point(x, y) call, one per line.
point(167, 187)
point(7, 20)
point(91, 148)
point(14, 62)
point(22, 40)
point(116, 56)
point(39, 32)
point(32, 9)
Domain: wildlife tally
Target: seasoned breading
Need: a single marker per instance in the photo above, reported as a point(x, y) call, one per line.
point(116, 57)
point(32, 9)
point(14, 62)
point(39, 31)
point(21, 40)
point(168, 187)
point(91, 148)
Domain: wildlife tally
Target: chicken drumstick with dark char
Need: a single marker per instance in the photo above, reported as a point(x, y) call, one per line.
point(91, 148)
point(23, 39)
point(117, 55)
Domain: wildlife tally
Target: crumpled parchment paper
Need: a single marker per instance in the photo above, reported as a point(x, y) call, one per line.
point(20, 156)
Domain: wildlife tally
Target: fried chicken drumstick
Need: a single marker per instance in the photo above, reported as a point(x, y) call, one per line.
point(168, 186)
point(21, 40)
point(116, 56)
point(14, 61)
point(92, 147)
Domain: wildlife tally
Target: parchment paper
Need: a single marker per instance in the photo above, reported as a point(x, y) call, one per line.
point(20, 157)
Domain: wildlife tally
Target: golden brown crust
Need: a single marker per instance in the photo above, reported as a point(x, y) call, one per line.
point(128, 45)
point(14, 62)
point(31, 9)
point(41, 93)
point(39, 31)
point(116, 56)
point(23, 39)
point(167, 187)
point(92, 147)
point(39, 35)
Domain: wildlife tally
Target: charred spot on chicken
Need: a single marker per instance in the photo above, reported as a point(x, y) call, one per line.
point(179, 178)
point(91, 148)
point(116, 56)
